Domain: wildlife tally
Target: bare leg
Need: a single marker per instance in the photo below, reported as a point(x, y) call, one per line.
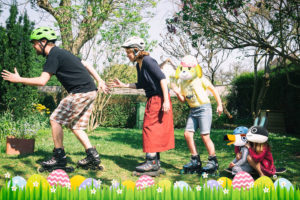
point(189, 137)
point(210, 147)
point(255, 165)
point(57, 134)
point(83, 138)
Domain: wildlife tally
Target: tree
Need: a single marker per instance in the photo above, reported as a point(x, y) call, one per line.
point(177, 44)
point(80, 21)
point(235, 69)
point(271, 27)
point(16, 51)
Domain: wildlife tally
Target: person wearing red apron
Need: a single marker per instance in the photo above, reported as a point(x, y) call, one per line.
point(158, 129)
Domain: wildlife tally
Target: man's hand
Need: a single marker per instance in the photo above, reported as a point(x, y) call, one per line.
point(103, 87)
point(12, 77)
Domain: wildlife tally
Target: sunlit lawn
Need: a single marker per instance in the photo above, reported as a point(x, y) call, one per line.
point(121, 151)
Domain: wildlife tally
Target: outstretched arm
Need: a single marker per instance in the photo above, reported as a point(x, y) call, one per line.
point(176, 90)
point(35, 81)
point(101, 84)
point(119, 84)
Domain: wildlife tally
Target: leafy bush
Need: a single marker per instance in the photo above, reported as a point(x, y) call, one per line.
point(121, 112)
point(17, 51)
point(25, 127)
point(280, 96)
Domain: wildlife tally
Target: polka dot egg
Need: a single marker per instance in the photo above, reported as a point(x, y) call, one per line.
point(37, 180)
point(264, 181)
point(225, 182)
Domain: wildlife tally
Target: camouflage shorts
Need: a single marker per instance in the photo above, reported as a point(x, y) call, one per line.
point(75, 110)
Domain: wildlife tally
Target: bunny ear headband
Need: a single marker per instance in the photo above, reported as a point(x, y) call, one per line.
point(261, 121)
point(258, 132)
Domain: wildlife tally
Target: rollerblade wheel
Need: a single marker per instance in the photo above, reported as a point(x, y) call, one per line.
point(40, 169)
point(162, 171)
point(69, 169)
point(100, 167)
point(135, 173)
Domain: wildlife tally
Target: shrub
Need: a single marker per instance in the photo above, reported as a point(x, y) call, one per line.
point(17, 51)
point(280, 96)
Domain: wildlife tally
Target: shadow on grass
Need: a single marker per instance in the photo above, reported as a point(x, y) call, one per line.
point(136, 141)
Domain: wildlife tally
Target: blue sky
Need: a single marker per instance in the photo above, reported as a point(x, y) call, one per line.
point(164, 9)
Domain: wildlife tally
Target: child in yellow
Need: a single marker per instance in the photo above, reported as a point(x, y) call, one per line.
point(193, 89)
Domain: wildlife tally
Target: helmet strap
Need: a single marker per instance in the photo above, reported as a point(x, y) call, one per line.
point(43, 47)
point(135, 52)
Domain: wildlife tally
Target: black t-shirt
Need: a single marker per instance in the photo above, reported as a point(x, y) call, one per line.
point(149, 77)
point(69, 71)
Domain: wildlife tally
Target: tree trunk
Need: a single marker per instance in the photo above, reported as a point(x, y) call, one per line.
point(265, 86)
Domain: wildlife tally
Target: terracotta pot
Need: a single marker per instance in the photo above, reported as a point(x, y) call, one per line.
point(16, 146)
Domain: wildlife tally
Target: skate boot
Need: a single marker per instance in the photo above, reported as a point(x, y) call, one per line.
point(212, 165)
point(195, 166)
point(58, 161)
point(91, 161)
point(158, 159)
point(150, 167)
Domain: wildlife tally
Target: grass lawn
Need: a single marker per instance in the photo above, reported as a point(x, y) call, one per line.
point(121, 151)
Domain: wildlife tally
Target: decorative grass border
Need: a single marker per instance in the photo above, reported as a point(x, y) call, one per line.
point(8, 192)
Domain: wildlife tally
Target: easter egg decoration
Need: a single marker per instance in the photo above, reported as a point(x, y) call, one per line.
point(283, 183)
point(225, 182)
point(59, 177)
point(264, 181)
point(17, 181)
point(181, 185)
point(37, 180)
point(89, 182)
point(242, 180)
point(165, 184)
point(129, 184)
point(213, 184)
point(76, 181)
point(144, 181)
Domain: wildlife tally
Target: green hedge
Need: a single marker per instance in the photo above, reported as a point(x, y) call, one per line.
point(280, 96)
point(121, 111)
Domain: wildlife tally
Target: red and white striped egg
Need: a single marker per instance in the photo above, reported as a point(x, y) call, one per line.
point(59, 177)
point(143, 182)
point(242, 180)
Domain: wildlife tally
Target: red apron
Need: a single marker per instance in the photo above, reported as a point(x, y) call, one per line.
point(158, 128)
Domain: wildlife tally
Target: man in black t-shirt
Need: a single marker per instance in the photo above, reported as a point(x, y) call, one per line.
point(74, 110)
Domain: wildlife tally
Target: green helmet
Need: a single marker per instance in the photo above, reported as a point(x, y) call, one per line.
point(43, 33)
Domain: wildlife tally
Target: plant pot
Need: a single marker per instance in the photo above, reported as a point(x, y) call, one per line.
point(16, 146)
